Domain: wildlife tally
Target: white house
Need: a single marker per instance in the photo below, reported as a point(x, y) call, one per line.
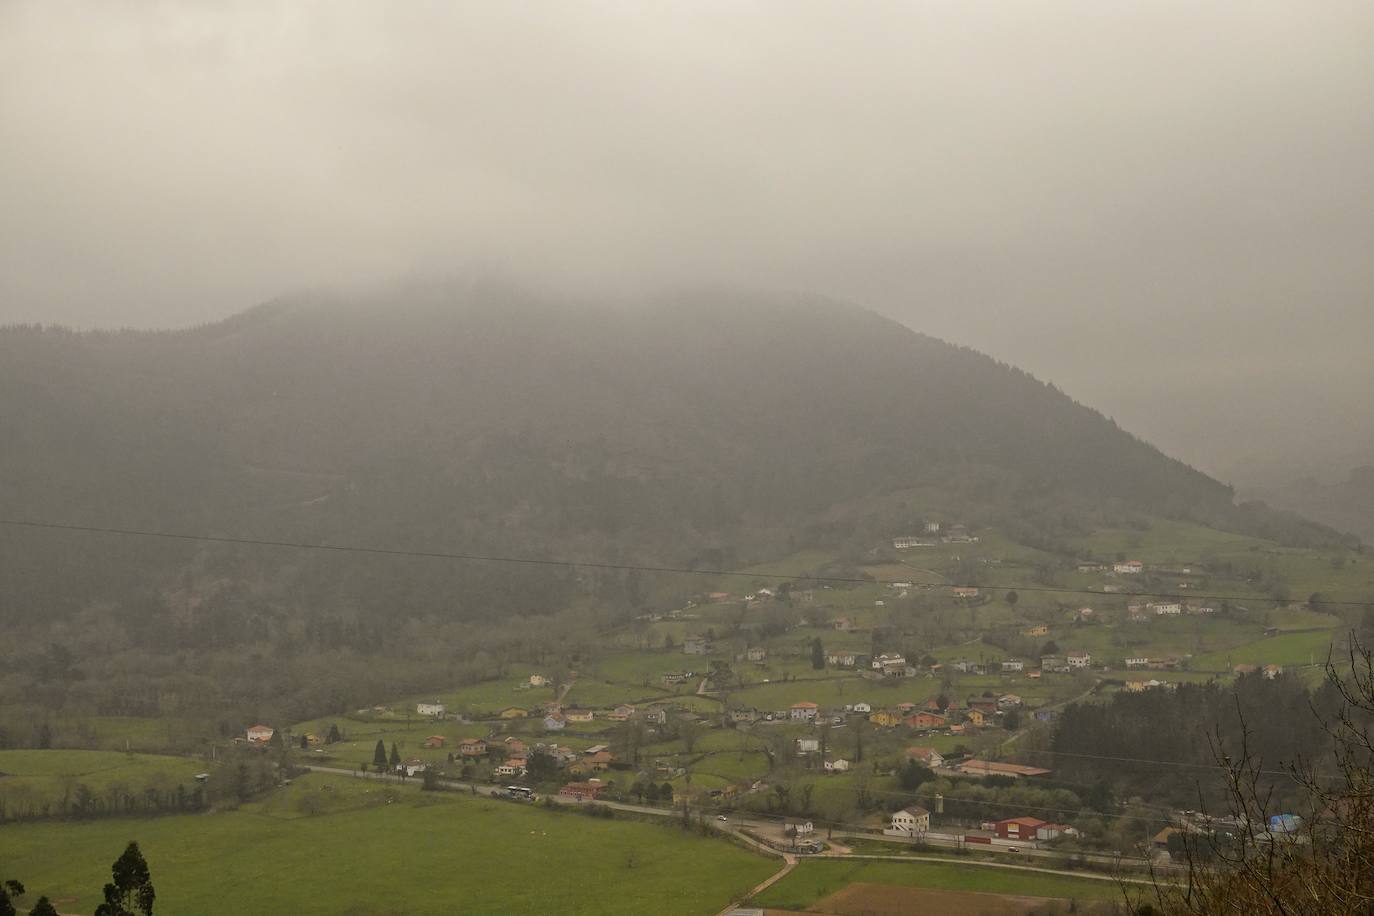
point(891, 665)
point(837, 766)
point(804, 711)
point(538, 680)
point(808, 746)
point(1138, 661)
point(798, 828)
point(756, 653)
point(925, 756)
point(435, 709)
point(864, 708)
point(696, 645)
point(510, 768)
point(259, 734)
point(1012, 664)
point(912, 821)
point(841, 659)
point(411, 766)
point(1079, 660)
point(1129, 568)
point(1165, 609)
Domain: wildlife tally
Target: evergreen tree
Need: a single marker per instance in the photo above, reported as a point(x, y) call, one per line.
point(379, 755)
point(817, 654)
point(333, 737)
point(395, 755)
point(43, 908)
point(131, 892)
point(8, 888)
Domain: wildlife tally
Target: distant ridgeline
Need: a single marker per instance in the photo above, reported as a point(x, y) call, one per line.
point(709, 430)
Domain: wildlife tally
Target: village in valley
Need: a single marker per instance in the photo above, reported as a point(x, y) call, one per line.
point(937, 713)
point(816, 711)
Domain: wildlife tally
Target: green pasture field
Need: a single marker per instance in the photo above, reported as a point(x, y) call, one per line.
point(133, 733)
point(1298, 648)
point(836, 691)
point(386, 850)
point(815, 879)
point(592, 693)
point(32, 780)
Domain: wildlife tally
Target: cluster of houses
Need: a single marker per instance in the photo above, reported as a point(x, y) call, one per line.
point(514, 753)
point(913, 822)
point(1059, 664)
point(934, 534)
point(956, 717)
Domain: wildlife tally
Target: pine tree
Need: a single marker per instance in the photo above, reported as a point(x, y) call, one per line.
point(817, 654)
point(43, 908)
point(379, 755)
point(395, 755)
point(131, 892)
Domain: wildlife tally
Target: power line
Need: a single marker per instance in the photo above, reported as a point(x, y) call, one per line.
point(615, 567)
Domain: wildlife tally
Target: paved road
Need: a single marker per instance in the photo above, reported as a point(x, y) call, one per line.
point(736, 824)
point(955, 840)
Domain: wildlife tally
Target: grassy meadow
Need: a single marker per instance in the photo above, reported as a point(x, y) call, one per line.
point(815, 879)
point(33, 782)
point(369, 849)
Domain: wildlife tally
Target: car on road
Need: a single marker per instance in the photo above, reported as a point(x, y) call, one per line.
point(1013, 849)
point(721, 817)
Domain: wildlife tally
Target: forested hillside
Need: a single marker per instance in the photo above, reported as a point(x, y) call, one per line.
point(707, 430)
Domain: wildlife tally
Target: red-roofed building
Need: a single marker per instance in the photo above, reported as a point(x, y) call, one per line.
point(583, 791)
point(804, 711)
point(1019, 828)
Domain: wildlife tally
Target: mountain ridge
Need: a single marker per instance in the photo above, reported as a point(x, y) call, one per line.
point(697, 428)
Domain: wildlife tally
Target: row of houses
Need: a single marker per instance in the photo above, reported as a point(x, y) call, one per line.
point(1139, 613)
point(1070, 661)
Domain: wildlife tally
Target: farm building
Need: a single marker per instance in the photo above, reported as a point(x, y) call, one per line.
point(911, 821)
point(997, 768)
point(1018, 828)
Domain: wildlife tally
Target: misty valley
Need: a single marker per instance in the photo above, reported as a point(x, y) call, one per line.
point(848, 617)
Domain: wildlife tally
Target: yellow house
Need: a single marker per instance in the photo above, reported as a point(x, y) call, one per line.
point(885, 719)
point(1040, 630)
point(687, 795)
point(975, 717)
point(514, 712)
